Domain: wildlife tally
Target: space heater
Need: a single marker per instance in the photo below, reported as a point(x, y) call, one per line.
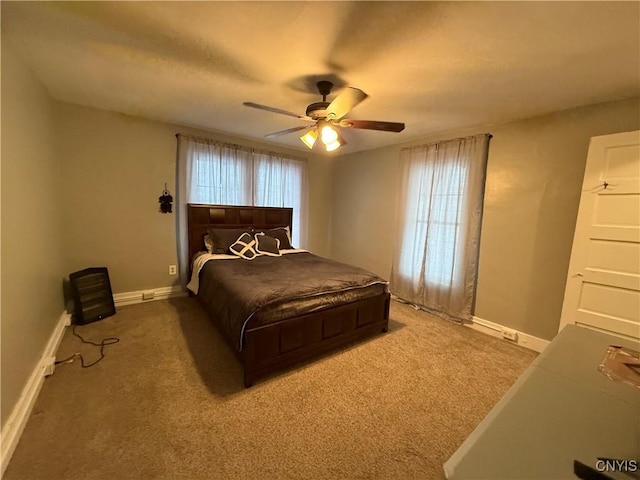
point(92, 296)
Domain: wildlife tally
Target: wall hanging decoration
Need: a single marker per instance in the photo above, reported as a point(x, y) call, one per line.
point(165, 200)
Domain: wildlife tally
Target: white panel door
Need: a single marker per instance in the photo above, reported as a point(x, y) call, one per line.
point(603, 282)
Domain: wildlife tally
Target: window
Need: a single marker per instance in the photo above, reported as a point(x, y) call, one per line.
point(440, 210)
point(219, 179)
point(279, 183)
point(232, 175)
point(432, 229)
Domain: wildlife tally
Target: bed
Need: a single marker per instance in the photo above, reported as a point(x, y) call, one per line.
point(276, 311)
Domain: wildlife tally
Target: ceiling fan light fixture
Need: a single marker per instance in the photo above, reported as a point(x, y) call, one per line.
point(333, 146)
point(339, 142)
point(309, 138)
point(328, 135)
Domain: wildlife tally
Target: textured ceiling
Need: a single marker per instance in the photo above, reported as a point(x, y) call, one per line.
point(436, 66)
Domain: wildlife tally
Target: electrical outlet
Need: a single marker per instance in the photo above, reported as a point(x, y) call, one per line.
point(510, 334)
point(49, 366)
point(148, 295)
point(173, 270)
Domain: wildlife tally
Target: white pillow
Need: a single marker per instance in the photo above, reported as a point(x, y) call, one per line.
point(244, 247)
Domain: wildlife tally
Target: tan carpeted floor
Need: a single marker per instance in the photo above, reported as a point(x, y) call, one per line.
point(167, 402)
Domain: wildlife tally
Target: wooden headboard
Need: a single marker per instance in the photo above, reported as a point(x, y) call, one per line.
point(202, 217)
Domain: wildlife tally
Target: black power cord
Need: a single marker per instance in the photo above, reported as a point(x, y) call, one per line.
point(102, 344)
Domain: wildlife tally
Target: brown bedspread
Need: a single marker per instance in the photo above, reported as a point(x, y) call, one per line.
point(244, 294)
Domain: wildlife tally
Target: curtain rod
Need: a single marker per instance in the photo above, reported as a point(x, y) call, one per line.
point(430, 144)
point(259, 151)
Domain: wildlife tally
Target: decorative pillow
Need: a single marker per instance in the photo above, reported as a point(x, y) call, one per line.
point(223, 238)
point(208, 243)
point(244, 247)
point(266, 245)
point(282, 234)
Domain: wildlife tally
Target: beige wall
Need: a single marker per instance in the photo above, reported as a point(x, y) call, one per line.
point(115, 167)
point(533, 187)
point(32, 265)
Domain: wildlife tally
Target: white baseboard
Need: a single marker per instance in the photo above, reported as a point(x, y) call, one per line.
point(522, 339)
point(14, 427)
point(131, 298)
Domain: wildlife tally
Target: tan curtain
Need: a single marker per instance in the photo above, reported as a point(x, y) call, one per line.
point(439, 215)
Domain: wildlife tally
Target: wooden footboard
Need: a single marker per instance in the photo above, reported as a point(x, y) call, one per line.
point(278, 345)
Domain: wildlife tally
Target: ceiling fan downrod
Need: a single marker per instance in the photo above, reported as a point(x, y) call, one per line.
point(316, 110)
point(324, 87)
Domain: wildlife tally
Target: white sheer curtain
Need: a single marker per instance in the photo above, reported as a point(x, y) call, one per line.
point(218, 174)
point(282, 182)
point(224, 174)
point(439, 216)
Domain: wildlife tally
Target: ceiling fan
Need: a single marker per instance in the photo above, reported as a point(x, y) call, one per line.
point(326, 116)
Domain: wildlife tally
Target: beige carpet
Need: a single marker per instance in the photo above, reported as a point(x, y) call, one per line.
point(167, 402)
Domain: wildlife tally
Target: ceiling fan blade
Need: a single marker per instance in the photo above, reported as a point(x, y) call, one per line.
point(372, 125)
point(348, 98)
point(284, 132)
point(277, 110)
